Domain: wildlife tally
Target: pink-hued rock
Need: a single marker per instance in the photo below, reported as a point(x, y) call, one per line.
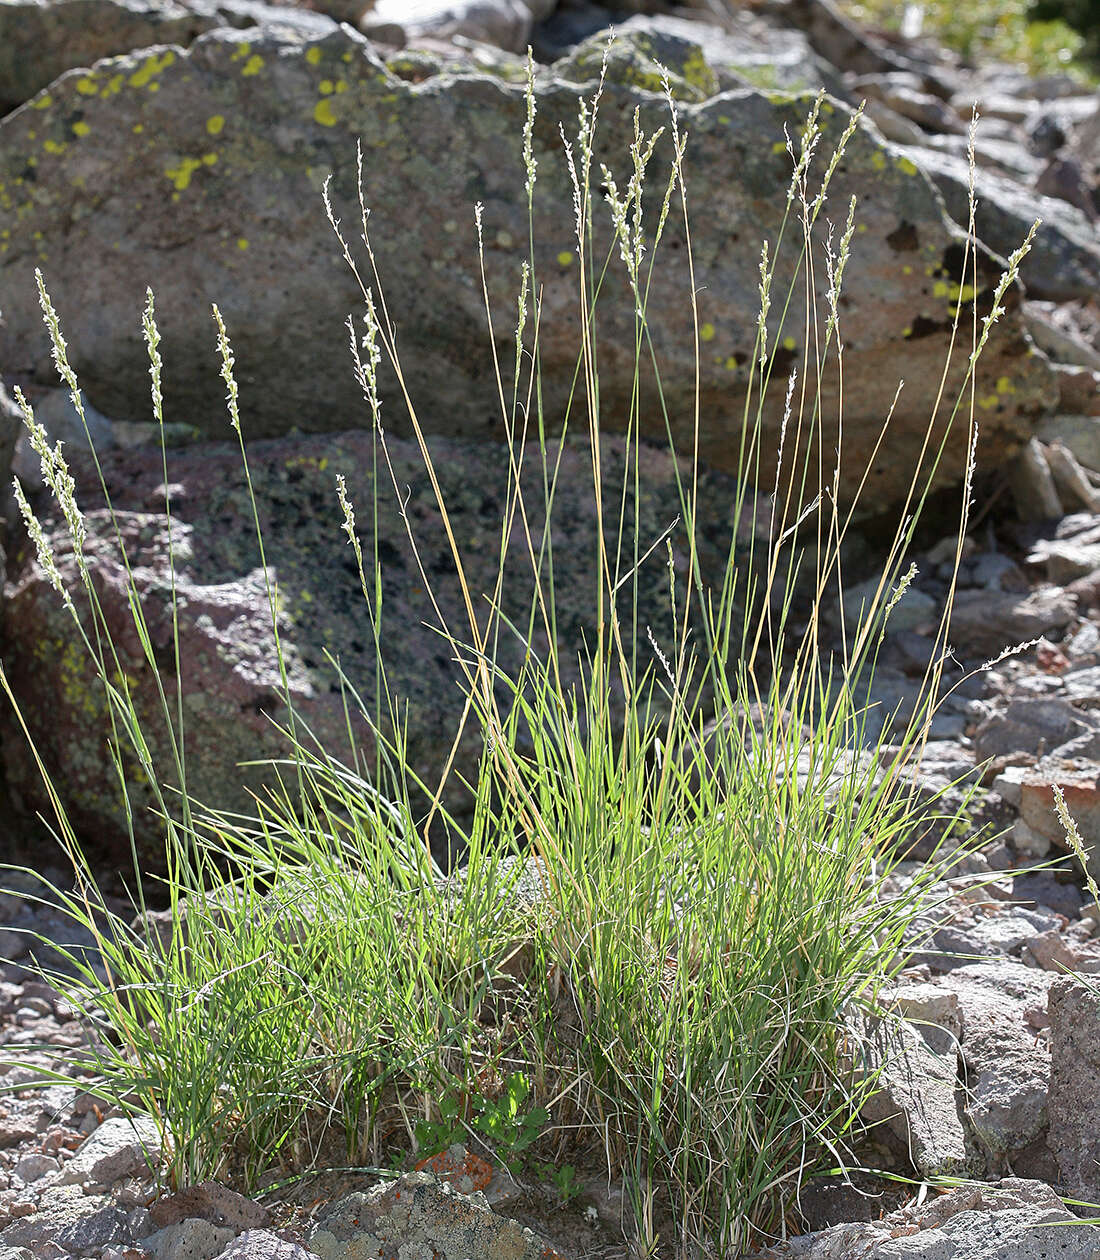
point(1079, 779)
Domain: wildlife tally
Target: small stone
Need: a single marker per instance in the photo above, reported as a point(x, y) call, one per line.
point(1079, 781)
point(914, 610)
point(494, 22)
point(915, 1098)
point(1007, 784)
point(1028, 842)
point(1033, 485)
point(33, 1166)
point(984, 623)
point(1054, 952)
point(1035, 725)
point(1073, 485)
point(61, 1138)
point(260, 1244)
point(189, 1240)
point(1066, 561)
point(994, 570)
point(419, 1214)
point(932, 1010)
point(138, 1222)
point(208, 1201)
point(118, 1148)
point(15, 1129)
point(1078, 403)
point(37, 1005)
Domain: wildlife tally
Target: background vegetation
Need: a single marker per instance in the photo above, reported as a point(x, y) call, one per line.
point(1041, 36)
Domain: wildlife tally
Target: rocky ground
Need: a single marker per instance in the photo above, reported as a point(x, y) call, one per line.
point(993, 1075)
point(196, 167)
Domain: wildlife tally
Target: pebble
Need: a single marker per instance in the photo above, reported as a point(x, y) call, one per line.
point(32, 1167)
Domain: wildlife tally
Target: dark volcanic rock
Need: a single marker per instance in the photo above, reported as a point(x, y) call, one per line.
point(231, 682)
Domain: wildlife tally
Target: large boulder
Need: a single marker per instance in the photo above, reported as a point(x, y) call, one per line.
point(41, 39)
point(208, 188)
point(230, 673)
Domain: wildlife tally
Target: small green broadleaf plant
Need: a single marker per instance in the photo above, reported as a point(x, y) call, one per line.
point(563, 1177)
point(504, 1121)
point(433, 1136)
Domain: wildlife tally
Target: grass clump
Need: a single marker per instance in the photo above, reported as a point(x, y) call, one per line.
point(673, 902)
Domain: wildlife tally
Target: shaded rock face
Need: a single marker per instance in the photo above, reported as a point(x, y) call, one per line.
point(1064, 261)
point(39, 42)
point(231, 682)
point(209, 188)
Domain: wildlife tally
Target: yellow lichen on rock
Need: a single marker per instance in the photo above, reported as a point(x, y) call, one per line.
point(180, 174)
point(150, 68)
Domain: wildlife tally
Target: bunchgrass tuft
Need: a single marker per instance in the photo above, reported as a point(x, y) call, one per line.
point(673, 900)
